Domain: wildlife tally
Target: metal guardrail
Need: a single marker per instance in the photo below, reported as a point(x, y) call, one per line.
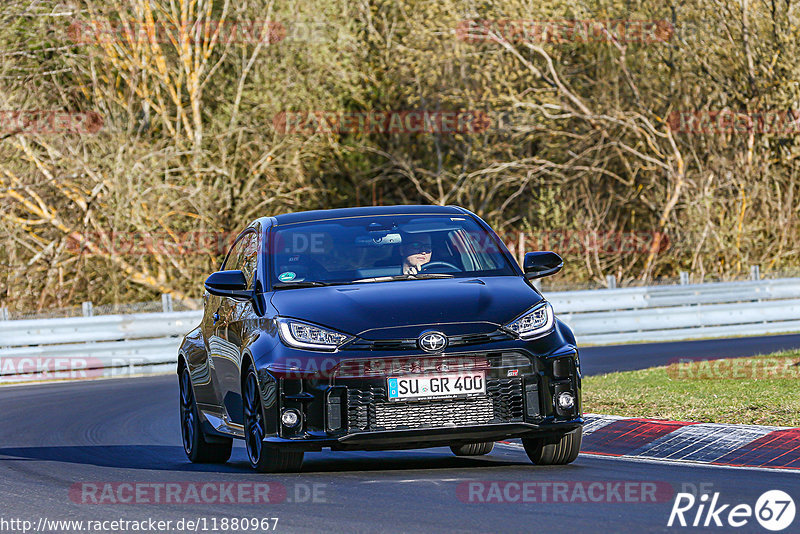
point(76, 347)
point(604, 316)
point(672, 313)
point(97, 328)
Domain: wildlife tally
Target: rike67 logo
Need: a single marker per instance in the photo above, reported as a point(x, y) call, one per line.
point(774, 510)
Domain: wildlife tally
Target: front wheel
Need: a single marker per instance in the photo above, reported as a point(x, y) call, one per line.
point(563, 452)
point(262, 458)
point(199, 448)
point(473, 449)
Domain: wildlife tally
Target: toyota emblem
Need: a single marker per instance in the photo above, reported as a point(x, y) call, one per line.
point(432, 341)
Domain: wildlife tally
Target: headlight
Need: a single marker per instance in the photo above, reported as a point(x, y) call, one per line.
point(533, 323)
point(308, 336)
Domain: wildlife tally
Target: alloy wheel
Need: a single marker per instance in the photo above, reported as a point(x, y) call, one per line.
point(254, 423)
point(188, 422)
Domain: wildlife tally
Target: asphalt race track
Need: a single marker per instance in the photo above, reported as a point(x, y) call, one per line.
point(102, 433)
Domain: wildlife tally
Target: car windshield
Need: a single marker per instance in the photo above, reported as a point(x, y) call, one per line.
point(383, 248)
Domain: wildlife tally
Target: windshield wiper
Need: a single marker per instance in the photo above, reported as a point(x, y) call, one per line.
point(418, 276)
point(317, 283)
point(305, 283)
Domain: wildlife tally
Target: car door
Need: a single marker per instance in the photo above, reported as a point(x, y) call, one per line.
point(229, 330)
point(208, 391)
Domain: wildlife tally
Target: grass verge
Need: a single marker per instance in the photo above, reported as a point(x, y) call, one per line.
point(762, 390)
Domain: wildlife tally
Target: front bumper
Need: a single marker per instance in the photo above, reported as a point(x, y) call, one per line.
point(352, 412)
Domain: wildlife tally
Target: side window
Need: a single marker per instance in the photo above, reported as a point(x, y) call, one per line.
point(232, 261)
point(244, 257)
point(477, 250)
point(248, 260)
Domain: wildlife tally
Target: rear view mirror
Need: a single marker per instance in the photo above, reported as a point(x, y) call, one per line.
point(377, 239)
point(227, 284)
point(540, 264)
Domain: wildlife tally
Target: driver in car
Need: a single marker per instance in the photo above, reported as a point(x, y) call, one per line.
point(416, 251)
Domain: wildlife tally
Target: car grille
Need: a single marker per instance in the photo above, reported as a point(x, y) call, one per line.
point(368, 409)
point(465, 412)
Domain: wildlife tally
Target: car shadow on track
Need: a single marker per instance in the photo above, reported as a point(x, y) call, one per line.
point(387, 461)
point(153, 457)
point(172, 458)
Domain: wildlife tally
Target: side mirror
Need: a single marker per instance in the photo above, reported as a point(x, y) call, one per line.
point(540, 264)
point(231, 284)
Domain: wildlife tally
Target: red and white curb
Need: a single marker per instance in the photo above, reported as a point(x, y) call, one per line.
point(710, 443)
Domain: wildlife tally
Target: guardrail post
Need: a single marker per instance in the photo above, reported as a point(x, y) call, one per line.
point(755, 272)
point(166, 302)
point(611, 281)
point(684, 278)
point(87, 309)
point(3, 317)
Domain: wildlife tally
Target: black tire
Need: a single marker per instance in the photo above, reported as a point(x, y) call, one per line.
point(262, 458)
point(563, 452)
point(473, 449)
point(199, 448)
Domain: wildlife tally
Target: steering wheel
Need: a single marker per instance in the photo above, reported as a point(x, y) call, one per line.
point(439, 264)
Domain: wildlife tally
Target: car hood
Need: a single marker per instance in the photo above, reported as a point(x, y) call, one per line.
point(383, 310)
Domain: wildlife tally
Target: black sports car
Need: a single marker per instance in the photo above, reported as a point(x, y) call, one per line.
point(377, 328)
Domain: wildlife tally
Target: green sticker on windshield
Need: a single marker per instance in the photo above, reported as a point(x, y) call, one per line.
point(288, 276)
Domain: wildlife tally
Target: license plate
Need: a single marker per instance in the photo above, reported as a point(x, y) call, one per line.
point(436, 386)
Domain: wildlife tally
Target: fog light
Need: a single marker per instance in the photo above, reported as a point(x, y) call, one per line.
point(290, 418)
point(565, 400)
